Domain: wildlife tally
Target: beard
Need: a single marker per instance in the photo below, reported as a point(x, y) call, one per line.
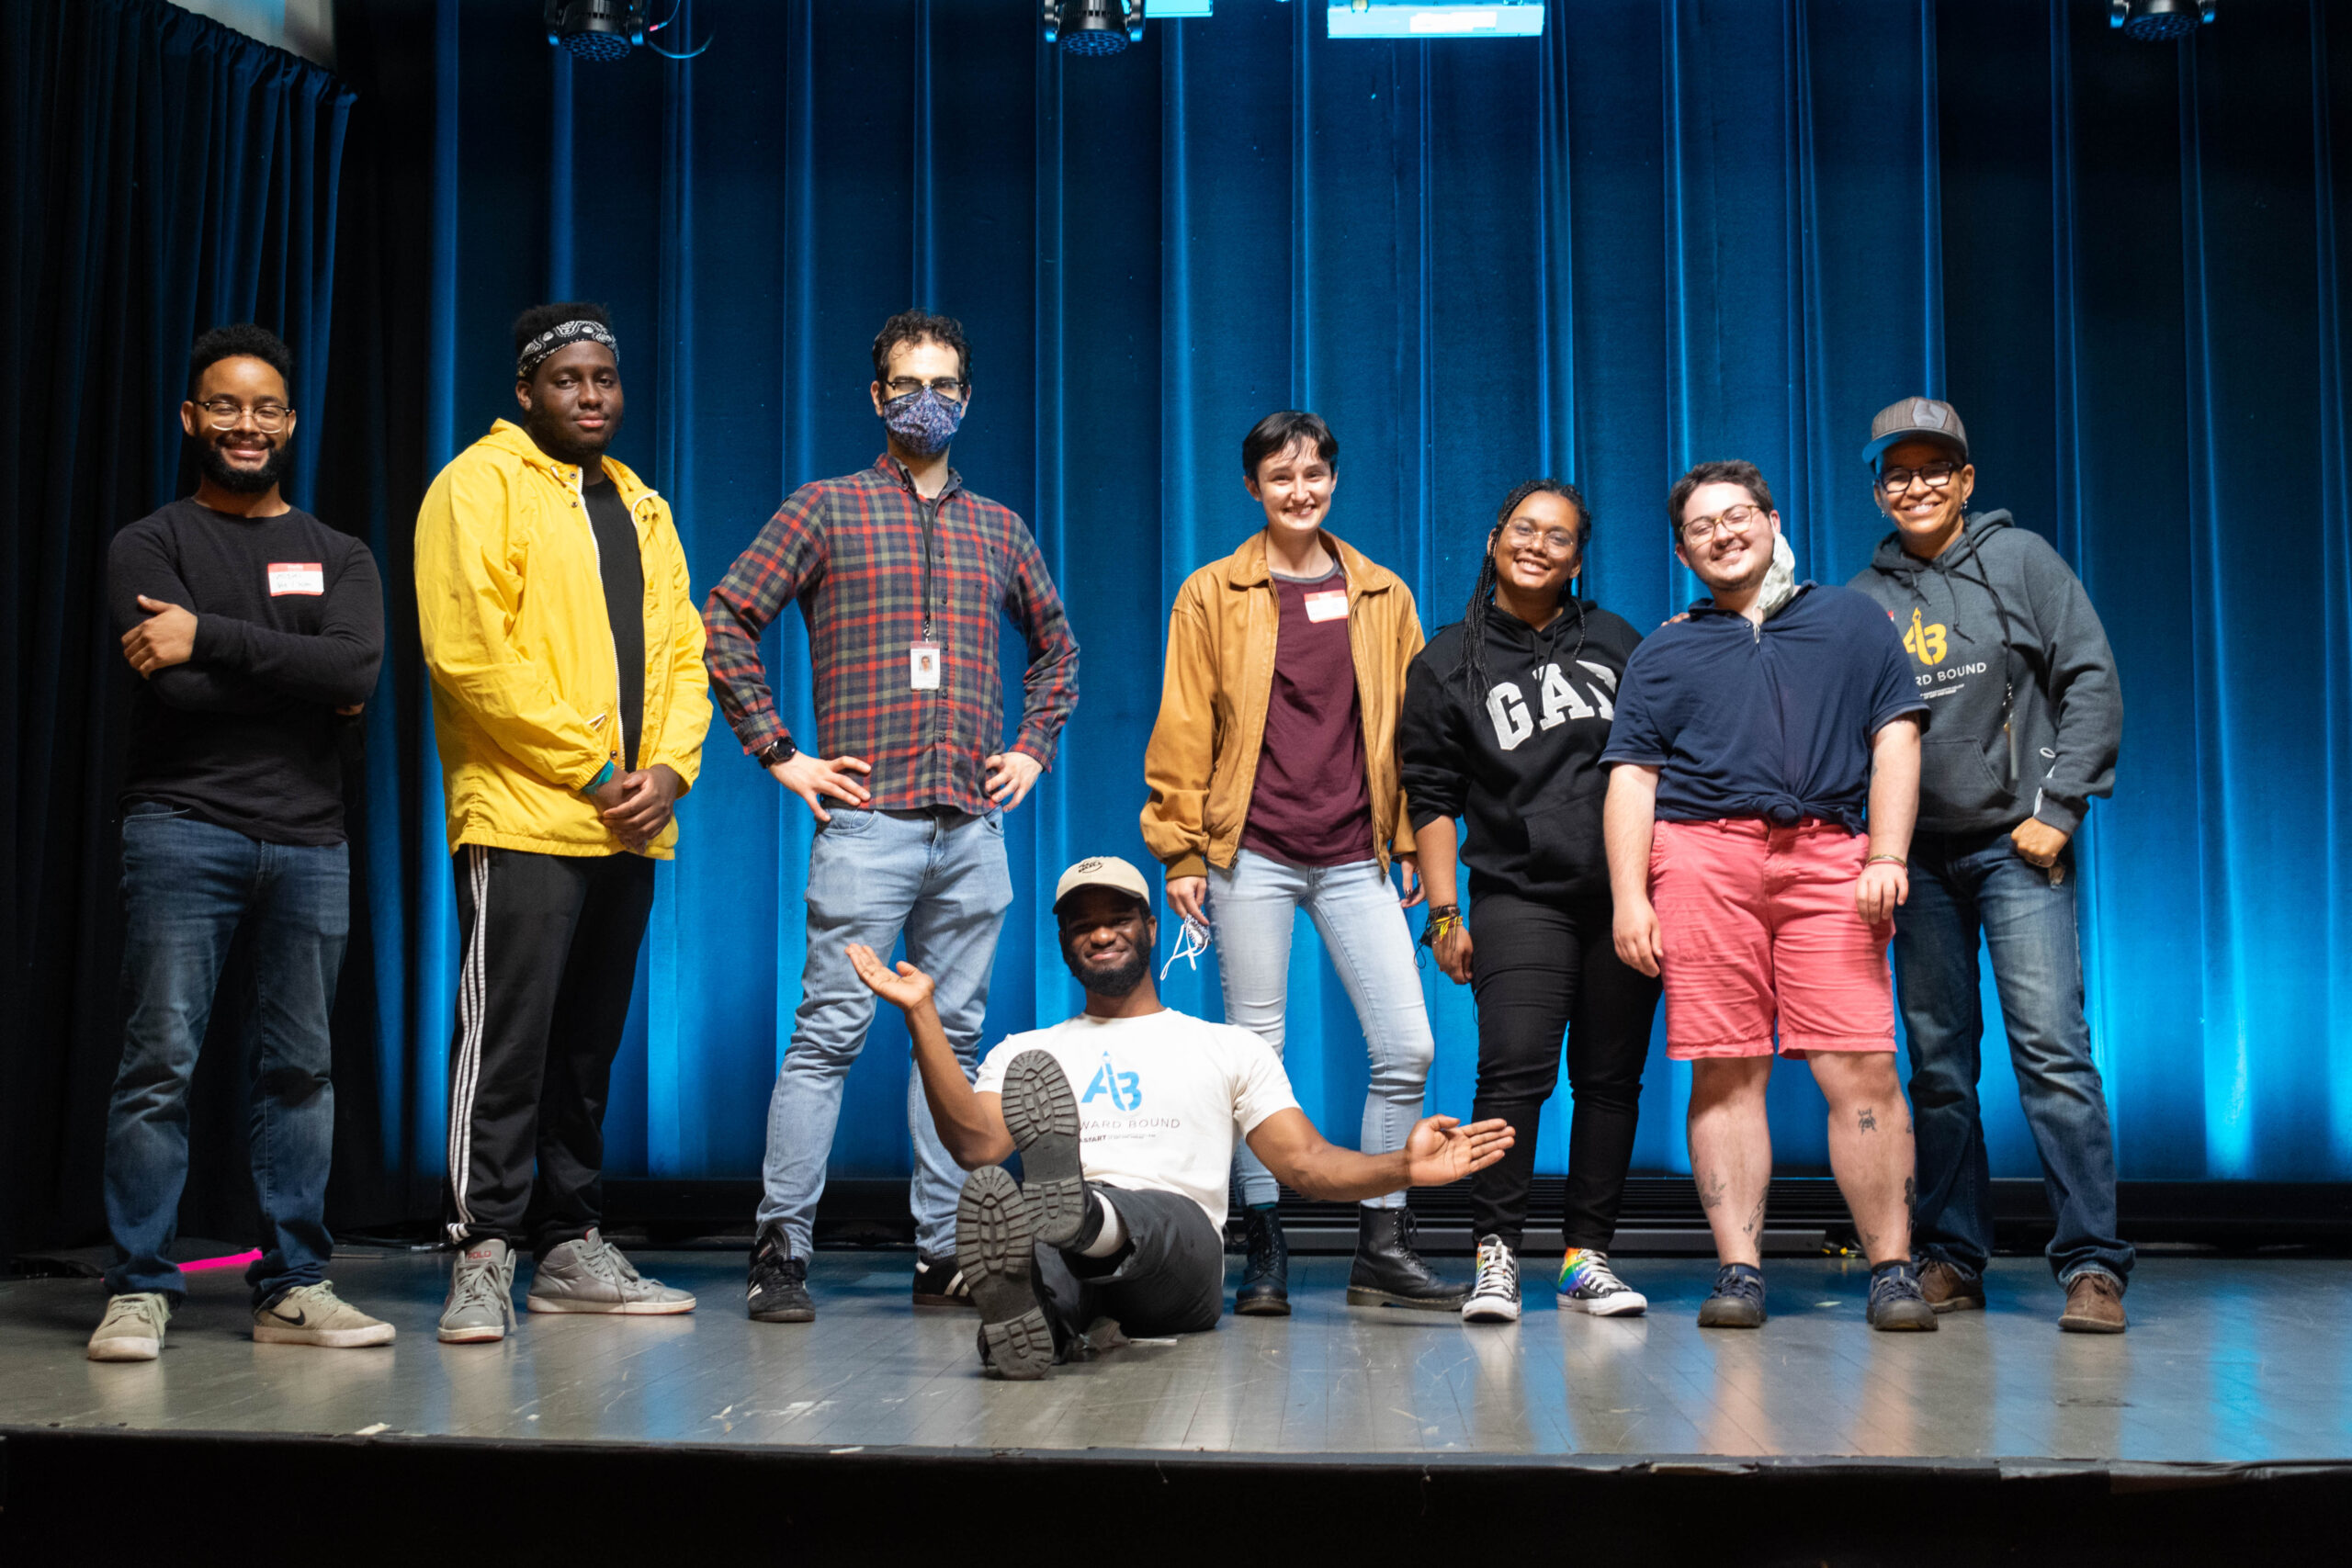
point(559, 443)
point(243, 481)
point(1116, 982)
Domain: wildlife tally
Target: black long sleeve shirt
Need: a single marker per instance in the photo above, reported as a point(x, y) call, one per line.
point(289, 627)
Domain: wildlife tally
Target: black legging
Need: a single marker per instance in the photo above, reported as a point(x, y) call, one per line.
point(1538, 968)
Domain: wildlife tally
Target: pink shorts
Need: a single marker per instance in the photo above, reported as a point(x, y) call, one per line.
point(1759, 922)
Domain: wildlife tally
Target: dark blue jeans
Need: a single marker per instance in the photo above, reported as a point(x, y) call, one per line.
point(1961, 888)
point(187, 886)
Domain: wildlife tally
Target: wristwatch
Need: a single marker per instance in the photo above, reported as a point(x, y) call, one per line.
point(777, 752)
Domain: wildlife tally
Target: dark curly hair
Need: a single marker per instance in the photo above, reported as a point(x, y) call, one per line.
point(1482, 596)
point(243, 340)
point(921, 326)
point(1734, 471)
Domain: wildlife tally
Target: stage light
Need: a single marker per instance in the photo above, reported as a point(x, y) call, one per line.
point(1093, 27)
point(608, 30)
point(1435, 18)
point(2158, 21)
point(1172, 10)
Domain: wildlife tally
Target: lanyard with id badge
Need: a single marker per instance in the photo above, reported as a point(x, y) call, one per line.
point(923, 657)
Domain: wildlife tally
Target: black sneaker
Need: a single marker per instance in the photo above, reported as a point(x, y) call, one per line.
point(995, 1235)
point(1895, 1303)
point(779, 1287)
point(939, 1283)
point(1042, 1115)
point(1738, 1299)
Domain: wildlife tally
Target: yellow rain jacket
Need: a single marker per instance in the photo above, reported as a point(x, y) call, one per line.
point(520, 647)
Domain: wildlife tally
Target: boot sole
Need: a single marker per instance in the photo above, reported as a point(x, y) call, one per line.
point(1957, 1303)
point(1262, 1307)
point(610, 1309)
point(1364, 1296)
point(994, 1236)
point(2089, 1326)
point(1041, 1113)
point(331, 1338)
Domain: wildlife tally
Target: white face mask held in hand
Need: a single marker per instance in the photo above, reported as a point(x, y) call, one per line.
point(1781, 581)
point(1192, 940)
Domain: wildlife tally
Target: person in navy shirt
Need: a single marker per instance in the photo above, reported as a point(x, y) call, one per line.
point(1765, 774)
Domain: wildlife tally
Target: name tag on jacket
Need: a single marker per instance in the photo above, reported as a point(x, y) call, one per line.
point(297, 577)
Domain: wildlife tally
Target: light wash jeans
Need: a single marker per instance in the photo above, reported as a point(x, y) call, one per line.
point(1355, 911)
point(871, 874)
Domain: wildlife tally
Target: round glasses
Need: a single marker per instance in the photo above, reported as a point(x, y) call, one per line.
point(1731, 520)
point(226, 413)
point(1935, 476)
point(1559, 541)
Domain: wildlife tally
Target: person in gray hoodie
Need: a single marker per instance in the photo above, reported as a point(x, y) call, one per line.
point(2029, 716)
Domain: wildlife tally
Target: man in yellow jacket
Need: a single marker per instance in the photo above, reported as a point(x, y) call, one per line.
point(569, 703)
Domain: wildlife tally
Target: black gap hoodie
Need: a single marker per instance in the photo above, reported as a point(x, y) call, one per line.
point(2004, 643)
point(1520, 761)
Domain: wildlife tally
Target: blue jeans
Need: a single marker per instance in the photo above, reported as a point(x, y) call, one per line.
point(941, 880)
point(187, 886)
point(1355, 912)
point(1960, 886)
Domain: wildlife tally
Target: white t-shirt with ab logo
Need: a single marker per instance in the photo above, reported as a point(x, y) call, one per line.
point(1160, 1099)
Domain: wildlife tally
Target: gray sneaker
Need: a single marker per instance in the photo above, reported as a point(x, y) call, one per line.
point(132, 1329)
point(481, 1295)
point(591, 1275)
point(314, 1315)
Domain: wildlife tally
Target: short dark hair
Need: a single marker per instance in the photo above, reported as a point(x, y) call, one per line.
point(1278, 432)
point(921, 326)
point(1732, 471)
point(539, 318)
point(243, 340)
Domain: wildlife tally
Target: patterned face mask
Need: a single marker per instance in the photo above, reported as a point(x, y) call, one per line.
point(924, 421)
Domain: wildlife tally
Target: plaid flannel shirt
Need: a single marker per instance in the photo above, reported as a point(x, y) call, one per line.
point(850, 551)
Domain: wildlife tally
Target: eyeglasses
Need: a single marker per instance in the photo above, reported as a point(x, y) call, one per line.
point(224, 413)
point(1731, 520)
point(1895, 481)
point(1559, 541)
point(948, 387)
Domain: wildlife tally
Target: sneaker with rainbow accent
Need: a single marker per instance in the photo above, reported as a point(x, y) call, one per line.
point(1588, 1285)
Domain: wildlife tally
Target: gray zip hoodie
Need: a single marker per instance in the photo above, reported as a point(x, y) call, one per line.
point(2013, 661)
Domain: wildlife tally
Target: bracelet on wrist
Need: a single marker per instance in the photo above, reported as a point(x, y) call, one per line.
point(1898, 860)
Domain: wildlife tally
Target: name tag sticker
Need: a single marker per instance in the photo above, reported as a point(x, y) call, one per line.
point(297, 577)
point(922, 666)
point(1331, 604)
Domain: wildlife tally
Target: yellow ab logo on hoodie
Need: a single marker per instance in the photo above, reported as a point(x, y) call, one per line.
point(1927, 643)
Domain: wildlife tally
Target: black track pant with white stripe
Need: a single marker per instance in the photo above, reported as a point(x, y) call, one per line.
point(549, 958)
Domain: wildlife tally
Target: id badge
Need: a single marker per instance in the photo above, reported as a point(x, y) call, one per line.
point(922, 666)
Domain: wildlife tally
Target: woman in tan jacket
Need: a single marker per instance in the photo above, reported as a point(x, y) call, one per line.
point(1272, 771)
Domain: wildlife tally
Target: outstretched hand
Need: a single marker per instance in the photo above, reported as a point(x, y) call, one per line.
point(906, 989)
point(1440, 1149)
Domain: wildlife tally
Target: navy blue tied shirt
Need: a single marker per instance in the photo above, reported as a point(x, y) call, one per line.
point(1771, 722)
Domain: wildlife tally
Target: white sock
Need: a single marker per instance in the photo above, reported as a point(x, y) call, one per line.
point(1110, 1237)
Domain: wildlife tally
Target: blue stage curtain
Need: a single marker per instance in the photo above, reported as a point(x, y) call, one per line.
point(1663, 233)
point(163, 175)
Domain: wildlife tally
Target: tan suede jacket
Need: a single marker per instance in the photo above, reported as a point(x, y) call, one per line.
point(1203, 760)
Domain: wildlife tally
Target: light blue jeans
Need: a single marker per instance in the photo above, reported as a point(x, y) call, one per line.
point(872, 874)
point(1355, 911)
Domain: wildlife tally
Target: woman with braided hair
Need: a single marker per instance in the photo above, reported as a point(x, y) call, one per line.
point(1504, 720)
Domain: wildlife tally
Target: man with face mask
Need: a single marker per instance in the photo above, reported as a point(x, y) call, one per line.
point(1124, 1118)
point(903, 577)
point(569, 703)
point(256, 630)
point(2005, 646)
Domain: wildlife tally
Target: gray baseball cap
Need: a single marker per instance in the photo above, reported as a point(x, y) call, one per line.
point(1915, 417)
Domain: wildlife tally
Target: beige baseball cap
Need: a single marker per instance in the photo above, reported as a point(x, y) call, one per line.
point(1104, 871)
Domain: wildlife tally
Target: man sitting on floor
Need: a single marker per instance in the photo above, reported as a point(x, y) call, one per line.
point(1121, 1213)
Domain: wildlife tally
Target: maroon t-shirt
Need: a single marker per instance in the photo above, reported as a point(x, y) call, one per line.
point(1310, 805)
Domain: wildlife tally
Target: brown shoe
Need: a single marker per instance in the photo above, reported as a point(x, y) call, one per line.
point(2094, 1305)
point(1949, 1288)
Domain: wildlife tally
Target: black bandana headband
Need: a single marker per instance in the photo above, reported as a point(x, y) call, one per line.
point(560, 336)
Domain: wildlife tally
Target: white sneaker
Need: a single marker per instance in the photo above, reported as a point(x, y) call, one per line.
point(132, 1329)
point(1588, 1285)
point(1494, 1294)
point(314, 1315)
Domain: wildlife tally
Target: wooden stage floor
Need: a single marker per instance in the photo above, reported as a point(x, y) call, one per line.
point(2228, 1361)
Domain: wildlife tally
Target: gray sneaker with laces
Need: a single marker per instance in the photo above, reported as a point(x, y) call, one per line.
point(132, 1329)
point(314, 1315)
point(591, 1275)
point(480, 1307)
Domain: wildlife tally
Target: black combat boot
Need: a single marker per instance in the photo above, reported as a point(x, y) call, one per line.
point(1388, 1272)
point(1265, 1278)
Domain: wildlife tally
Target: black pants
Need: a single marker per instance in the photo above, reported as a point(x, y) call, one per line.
point(1167, 1279)
point(1538, 968)
point(549, 945)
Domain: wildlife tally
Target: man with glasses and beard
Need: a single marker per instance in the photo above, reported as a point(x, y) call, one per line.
point(1766, 757)
point(569, 703)
point(257, 631)
point(2005, 644)
point(1124, 1118)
